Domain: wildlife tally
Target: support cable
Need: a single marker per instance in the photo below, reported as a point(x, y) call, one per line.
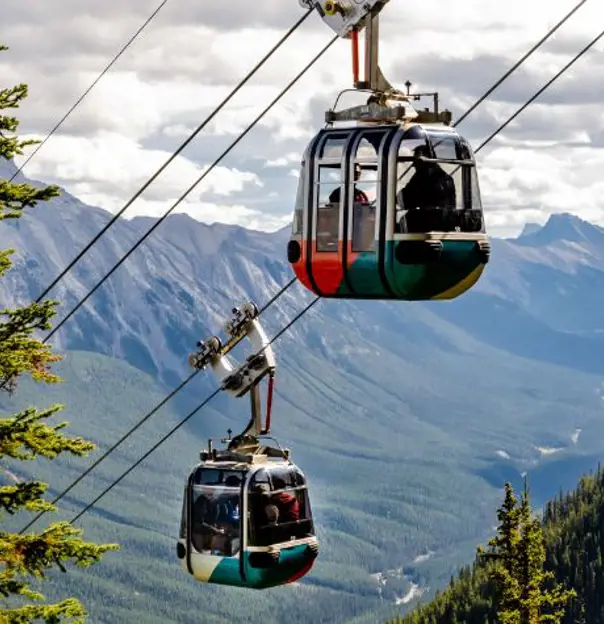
point(141, 422)
point(199, 128)
point(183, 421)
point(79, 100)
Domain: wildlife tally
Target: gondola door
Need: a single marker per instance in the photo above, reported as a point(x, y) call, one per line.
point(326, 262)
point(211, 540)
point(280, 542)
point(366, 208)
point(259, 560)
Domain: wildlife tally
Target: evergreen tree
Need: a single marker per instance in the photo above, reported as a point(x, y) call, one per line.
point(503, 549)
point(524, 592)
point(26, 436)
point(573, 542)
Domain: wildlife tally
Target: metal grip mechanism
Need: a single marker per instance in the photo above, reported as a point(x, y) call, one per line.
point(236, 327)
point(236, 379)
point(208, 350)
point(344, 16)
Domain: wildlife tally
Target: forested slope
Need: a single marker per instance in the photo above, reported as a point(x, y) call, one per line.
point(573, 528)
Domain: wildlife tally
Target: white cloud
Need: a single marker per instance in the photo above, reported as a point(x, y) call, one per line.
point(109, 168)
point(192, 54)
point(523, 184)
point(234, 214)
point(284, 161)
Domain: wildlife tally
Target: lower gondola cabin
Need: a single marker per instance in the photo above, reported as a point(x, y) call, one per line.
point(247, 523)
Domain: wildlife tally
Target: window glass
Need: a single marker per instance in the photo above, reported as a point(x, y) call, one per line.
point(216, 520)
point(328, 207)
point(437, 196)
point(466, 150)
point(413, 138)
point(363, 226)
point(369, 146)
point(300, 200)
point(364, 189)
point(217, 476)
point(279, 516)
point(261, 476)
point(476, 199)
point(444, 146)
point(280, 512)
point(425, 191)
point(282, 478)
point(333, 147)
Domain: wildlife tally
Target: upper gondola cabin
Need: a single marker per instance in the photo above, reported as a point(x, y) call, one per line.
point(388, 211)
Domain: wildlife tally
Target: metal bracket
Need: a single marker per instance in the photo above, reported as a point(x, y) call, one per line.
point(344, 16)
point(235, 379)
point(370, 112)
point(387, 108)
point(374, 79)
point(208, 350)
point(236, 327)
point(379, 106)
point(426, 115)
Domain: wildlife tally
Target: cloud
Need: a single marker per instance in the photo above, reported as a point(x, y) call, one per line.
point(522, 185)
point(225, 212)
point(193, 54)
point(113, 167)
point(236, 15)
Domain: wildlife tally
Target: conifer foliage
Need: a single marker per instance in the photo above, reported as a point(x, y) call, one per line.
point(26, 558)
point(517, 578)
point(525, 593)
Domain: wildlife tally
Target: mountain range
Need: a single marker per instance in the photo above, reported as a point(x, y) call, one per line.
point(406, 417)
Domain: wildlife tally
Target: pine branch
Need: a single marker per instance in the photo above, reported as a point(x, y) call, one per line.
point(5, 262)
point(25, 437)
point(32, 554)
point(70, 610)
point(28, 495)
point(14, 198)
point(11, 146)
point(21, 352)
point(27, 319)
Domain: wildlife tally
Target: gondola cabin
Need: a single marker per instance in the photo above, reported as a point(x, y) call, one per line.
point(388, 211)
point(247, 520)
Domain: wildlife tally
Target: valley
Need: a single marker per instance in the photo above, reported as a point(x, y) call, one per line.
point(406, 418)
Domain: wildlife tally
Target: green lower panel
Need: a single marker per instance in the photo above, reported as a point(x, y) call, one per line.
point(293, 563)
point(459, 267)
point(364, 278)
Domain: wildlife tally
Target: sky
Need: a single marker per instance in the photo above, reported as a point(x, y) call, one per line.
point(193, 53)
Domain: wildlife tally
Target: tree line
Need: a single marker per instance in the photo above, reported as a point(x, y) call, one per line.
point(27, 557)
point(533, 570)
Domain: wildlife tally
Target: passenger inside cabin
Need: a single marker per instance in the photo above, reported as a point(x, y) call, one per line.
point(229, 516)
point(430, 186)
point(289, 508)
point(359, 195)
point(265, 515)
point(216, 524)
point(205, 514)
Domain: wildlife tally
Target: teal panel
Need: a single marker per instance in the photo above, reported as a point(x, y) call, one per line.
point(293, 563)
point(364, 277)
point(458, 261)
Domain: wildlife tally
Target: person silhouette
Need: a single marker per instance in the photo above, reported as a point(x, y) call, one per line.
point(429, 187)
point(359, 195)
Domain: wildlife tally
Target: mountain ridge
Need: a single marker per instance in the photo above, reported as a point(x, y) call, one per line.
point(405, 416)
